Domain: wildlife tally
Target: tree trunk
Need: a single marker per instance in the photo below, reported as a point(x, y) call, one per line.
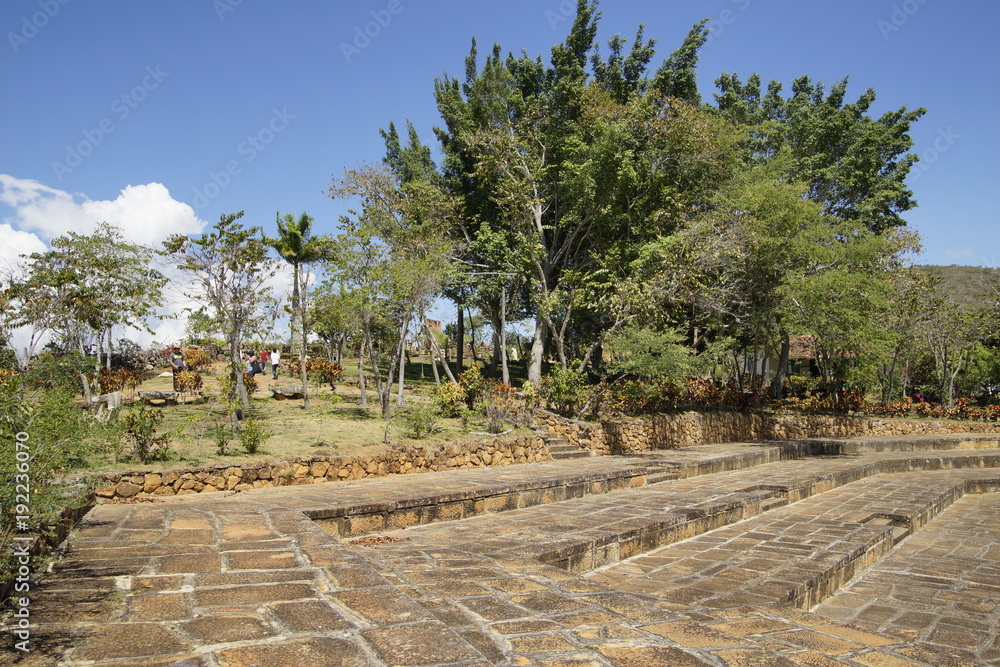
point(537, 352)
point(472, 337)
point(401, 352)
point(300, 308)
point(236, 373)
point(107, 361)
point(778, 381)
point(435, 348)
point(100, 349)
point(460, 339)
point(381, 388)
point(361, 372)
point(502, 338)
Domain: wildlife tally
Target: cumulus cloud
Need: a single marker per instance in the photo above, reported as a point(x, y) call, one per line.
point(146, 214)
point(14, 243)
point(968, 252)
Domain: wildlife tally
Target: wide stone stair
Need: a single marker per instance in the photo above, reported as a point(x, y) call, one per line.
point(860, 552)
point(780, 527)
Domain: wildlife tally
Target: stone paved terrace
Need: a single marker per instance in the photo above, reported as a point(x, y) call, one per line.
point(860, 552)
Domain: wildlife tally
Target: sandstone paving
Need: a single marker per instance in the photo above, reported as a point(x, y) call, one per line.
point(253, 579)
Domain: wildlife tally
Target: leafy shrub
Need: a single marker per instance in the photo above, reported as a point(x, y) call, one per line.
point(563, 391)
point(109, 381)
point(140, 425)
point(222, 435)
point(501, 405)
point(51, 370)
point(254, 433)
point(420, 420)
point(196, 359)
point(319, 370)
point(226, 384)
point(187, 382)
point(42, 434)
point(473, 384)
point(323, 371)
point(449, 397)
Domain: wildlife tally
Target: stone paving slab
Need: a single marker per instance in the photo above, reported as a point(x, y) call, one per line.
point(250, 579)
point(940, 587)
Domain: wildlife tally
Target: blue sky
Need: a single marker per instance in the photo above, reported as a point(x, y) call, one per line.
point(160, 116)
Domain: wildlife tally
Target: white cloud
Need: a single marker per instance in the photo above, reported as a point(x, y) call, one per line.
point(146, 214)
point(968, 252)
point(14, 243)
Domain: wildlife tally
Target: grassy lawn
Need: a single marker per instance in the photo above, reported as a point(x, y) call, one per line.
point(335, 424)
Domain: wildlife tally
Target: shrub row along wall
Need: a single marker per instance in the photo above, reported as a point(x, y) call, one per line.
point(628, 436)
point(312, 470)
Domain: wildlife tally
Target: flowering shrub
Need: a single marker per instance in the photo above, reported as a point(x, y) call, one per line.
point(187, 382)
point(321, 370)
point(109, 381)
point(450, 399)
point(473, 384)
point(196, 359)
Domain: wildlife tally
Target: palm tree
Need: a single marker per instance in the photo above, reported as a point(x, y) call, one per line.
point(297, 246)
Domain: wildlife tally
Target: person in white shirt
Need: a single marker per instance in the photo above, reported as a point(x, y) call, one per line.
point(275, 360)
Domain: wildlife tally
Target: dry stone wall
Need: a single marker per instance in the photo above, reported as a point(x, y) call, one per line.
point(628, 436)
point(316, 469)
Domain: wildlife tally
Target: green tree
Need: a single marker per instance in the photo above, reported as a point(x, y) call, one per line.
point(392, 256)
point(955, 334)
point(855, 166)
point(83, 287)
point(570, 171)
point(229, 274)
point(297, 246)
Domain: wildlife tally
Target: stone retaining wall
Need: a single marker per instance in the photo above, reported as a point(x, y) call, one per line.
point(628, 436)
point(316, 469)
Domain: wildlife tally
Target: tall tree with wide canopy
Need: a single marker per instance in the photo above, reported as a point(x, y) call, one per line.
point(854, 165)
point(563, 165)
point(296, 245)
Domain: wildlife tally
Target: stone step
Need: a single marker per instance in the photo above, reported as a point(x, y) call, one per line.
point(587, 533)
point(797, 555)
point(918, 443)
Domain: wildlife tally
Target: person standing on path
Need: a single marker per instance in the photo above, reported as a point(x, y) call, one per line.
point(275, 360)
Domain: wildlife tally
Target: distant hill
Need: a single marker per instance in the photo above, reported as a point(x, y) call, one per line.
point(967, 284)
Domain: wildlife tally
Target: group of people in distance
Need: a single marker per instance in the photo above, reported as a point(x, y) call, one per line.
point(259, 363)
point(254, 363)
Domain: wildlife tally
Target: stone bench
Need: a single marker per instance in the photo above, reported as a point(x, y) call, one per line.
point(167, 397)
point(283, 393)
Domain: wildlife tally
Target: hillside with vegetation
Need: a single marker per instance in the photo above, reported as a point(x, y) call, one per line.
point(662, 245)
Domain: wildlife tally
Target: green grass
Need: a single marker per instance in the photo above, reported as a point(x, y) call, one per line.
point(335, 424)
